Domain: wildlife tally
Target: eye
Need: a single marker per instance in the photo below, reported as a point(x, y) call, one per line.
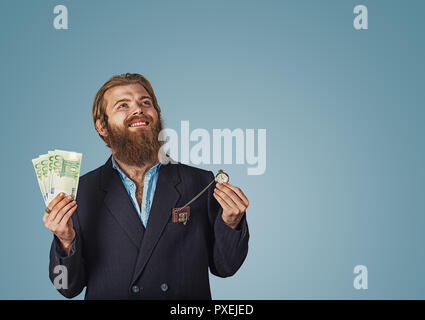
point(124, 104)
point(147, 102)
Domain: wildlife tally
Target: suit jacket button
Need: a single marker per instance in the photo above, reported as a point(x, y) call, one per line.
point(135, 289)
point(164, 287)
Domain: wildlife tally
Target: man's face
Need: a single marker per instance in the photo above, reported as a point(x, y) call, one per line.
point(132, 125)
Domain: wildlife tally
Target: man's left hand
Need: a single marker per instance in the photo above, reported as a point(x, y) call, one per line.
point(233, 201)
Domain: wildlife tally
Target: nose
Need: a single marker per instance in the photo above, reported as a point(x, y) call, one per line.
point(137, 109)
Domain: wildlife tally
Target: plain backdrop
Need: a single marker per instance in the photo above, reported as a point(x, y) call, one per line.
point(343, 110)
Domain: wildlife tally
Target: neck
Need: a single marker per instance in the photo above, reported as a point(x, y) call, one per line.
point(136, 172)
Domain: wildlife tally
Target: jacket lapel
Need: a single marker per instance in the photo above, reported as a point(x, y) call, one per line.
point(120, 205)
point(165, 198)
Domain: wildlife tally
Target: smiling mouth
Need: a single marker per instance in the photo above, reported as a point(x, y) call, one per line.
point(139, 124)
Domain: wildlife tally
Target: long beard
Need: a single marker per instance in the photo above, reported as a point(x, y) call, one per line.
point(136, 148)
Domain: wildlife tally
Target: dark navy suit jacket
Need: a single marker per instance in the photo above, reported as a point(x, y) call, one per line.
point(115, 257)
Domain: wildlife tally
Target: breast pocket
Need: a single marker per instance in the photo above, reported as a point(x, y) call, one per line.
point(195, 215)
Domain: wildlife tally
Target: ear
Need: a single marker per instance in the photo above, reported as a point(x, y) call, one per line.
point(100, 128)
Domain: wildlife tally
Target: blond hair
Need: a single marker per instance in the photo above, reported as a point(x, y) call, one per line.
point(99, 107)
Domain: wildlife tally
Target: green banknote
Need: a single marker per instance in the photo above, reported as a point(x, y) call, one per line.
point(40, 178)
point(58, 171)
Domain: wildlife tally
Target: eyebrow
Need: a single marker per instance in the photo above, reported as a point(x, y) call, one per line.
point(127, 99)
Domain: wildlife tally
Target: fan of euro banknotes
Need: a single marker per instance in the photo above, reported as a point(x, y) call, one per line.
point(58, 171)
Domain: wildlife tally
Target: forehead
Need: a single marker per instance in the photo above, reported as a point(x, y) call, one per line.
point(131, 91)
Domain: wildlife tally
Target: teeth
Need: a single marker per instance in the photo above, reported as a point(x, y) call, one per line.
point(138, 124)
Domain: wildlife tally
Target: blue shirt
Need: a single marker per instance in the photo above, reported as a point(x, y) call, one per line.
point(149, 186)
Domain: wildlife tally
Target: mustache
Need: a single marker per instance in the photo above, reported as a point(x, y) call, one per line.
point(139, 118)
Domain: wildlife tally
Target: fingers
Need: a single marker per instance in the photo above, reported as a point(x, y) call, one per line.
point(62, 226)
point(221, 201)
point(67, 217)
point(57, 207)
point(239, 192)
point(231, 198)
point(63, 211)
point(51, 205)
point(231, 215)
point(231, 202)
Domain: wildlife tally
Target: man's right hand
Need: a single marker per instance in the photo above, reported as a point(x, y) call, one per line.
point(59, 219)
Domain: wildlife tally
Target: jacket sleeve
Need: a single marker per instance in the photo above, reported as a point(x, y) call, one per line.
point(67, 273)
point(229, 246)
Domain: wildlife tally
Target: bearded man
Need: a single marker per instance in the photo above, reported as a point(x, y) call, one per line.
point(122, 241)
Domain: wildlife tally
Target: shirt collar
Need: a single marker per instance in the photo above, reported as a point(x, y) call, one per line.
point(152, 171)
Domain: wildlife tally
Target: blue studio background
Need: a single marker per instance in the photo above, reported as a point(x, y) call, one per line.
point(343, 110)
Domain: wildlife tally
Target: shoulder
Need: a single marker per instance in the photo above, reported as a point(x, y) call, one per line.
point(193, 174)
point(91, 176)
point(92, 180)
point(194, 171)
point(89, 185)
